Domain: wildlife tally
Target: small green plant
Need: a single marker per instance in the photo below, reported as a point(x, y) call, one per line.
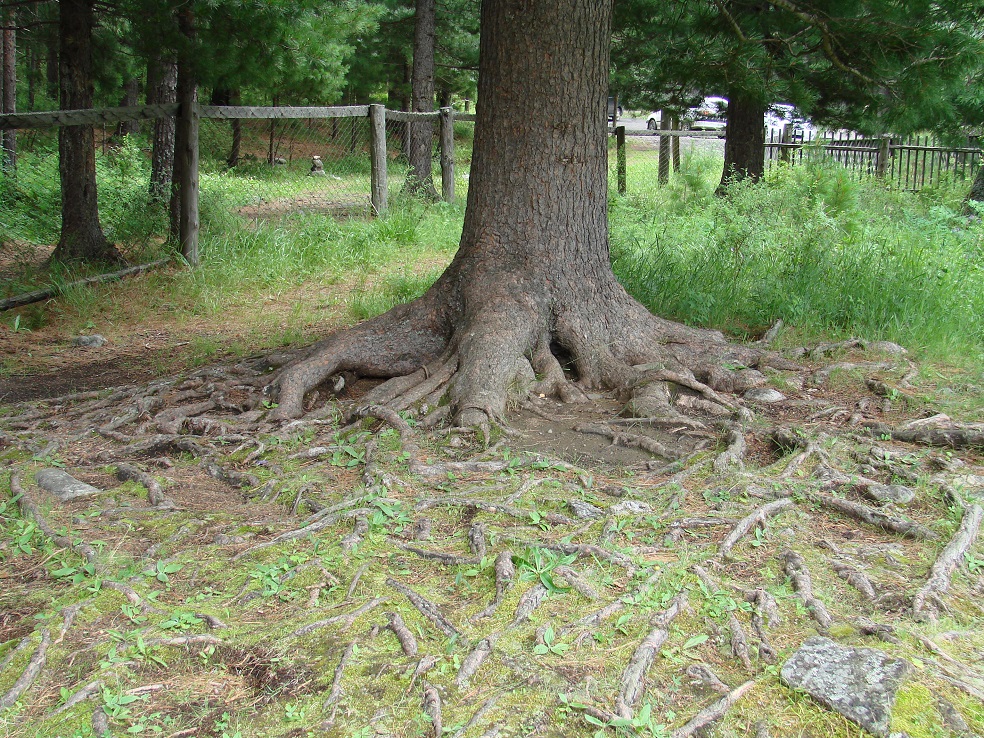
point(180, 621)
point(161, 571)
point(974, 564)
point(550, 644)
point(115, 703)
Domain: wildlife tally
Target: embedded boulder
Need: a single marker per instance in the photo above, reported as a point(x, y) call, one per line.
point(63, 485)
point(858, 683)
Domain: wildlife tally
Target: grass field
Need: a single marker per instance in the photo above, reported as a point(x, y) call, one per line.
point(232, 577)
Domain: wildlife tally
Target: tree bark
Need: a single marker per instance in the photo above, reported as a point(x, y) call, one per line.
point(10, 86)
point(744, 146)
point(131, 96)
point(531, 284)
point(976, 194)
point(420, 134)
point(82, 238)
point(163, 92)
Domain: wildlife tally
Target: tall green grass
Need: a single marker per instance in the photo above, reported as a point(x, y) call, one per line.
point(812, 246)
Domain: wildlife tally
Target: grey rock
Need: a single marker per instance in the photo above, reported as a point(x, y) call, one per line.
point(890, 493)
point(765, 395)
point(887, 347)
point(93, 341)
point(858, 683)
point(585, 510)
point(630, 507)
point(63, 485)
point(221, 539)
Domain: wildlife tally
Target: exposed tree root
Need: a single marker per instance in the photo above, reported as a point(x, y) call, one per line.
point(30, 673)
point(877, 518)
point(29, 508)
point(528, 602)
point(633, 681)
point(954, 436)
point(346, 619)
point(474, 660)
point(504, 574)
point(432, 708)
point(938, 582)
point(758, 516)
point(426, 608)
point(711, 714)
point(796, 570)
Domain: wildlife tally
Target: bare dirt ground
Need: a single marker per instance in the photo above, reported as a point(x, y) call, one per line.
point(366, 572)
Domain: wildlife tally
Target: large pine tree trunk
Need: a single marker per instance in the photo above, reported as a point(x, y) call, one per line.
point(82, 237)
point(420, 134)
point(531, 281)
point(744, 147)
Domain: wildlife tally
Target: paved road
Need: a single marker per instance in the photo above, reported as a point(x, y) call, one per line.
point(687, 143)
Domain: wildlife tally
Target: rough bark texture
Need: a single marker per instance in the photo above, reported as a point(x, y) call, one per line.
point(82, 238)
point(131, 95)
point(744, 146)
point(532, 278)
point(162, 160)
point(10, 86)
point(420, 135)
point(976, 193)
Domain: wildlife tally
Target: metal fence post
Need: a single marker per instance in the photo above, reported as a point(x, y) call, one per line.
point(620, 157)
point(377, 156)
point(447, 154)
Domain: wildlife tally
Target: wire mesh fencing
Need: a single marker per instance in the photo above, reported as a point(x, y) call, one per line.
point(273, 167)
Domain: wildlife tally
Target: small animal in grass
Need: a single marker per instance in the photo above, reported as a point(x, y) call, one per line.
point(317, 167)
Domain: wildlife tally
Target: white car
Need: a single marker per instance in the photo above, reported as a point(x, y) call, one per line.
point(710, 115)
point(784, 115)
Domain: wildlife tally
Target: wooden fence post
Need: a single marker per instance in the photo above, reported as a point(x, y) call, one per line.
point(883, 155)
point(665, 147)
point(785, 137)
point(620, 157)
point(447, 154)
point(377, 156)
point(186, 148)
point(675, 144)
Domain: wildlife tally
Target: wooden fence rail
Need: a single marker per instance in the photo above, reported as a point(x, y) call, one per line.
point(186, 153)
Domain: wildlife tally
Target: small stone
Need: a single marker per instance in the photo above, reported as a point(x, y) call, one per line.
point(765, 395)
point(93, 341)
point(890, 493)
point(221, 539)
point(858, 683)
point(630, 507)
point(585, 510)
point(887, 347)
point(63, 485)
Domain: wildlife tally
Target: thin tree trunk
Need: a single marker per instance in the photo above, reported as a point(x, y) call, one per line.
point(744, 146)
point(10, 87)
point(420, 134)
point(51, 68)
point(131, 95)
point(82, 238)
point(163, 92)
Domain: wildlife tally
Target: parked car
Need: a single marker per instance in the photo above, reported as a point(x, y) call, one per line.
point(612, 110)
point(654, 120)
point(710, 115)
point(784, 115)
